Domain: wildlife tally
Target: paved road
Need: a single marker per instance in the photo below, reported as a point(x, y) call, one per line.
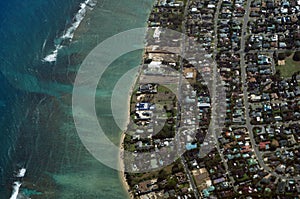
point(191, 179)
point(213, 93)
point(183, 161)
point(245, 93)
point(274, 50)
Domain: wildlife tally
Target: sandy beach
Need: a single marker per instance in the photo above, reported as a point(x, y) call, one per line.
point(121, 146)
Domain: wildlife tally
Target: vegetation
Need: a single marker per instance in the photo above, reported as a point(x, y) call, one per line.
point(291, 66)
point(296, 56)
point(168, 131)
point(135, 178)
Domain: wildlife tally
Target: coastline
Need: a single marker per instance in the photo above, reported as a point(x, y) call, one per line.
point(121, 171)
point(121, 165)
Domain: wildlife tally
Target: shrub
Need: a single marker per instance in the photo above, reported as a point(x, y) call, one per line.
point(296, 56)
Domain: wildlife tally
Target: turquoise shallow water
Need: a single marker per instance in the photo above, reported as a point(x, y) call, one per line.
point(37, 123)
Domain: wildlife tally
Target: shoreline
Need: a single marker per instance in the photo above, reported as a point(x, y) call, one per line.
point(121, 172)
point(121, 164)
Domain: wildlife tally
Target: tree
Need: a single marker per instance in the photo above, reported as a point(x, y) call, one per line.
point(274, 145)
point(177, 168)
point(288, 53)
point(172, 182)
point(296, 56)
point(162, 175)
point(277, 76)
point(281, 56)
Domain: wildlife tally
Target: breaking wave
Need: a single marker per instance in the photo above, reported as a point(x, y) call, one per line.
point(69, 33)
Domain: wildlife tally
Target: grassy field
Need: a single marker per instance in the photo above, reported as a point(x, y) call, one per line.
point(289, 68)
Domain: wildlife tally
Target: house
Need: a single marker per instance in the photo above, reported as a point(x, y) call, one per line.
point(219, 180)
point(146, 186)
point(264, 60)
point(202, 179)
point(281, 187)
point(147, 88)
point(190, 146)
point(264, 145)
point(255, 98)
point(144, 106)
point(190, 73)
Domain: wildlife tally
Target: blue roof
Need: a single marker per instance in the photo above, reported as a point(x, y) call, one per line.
point(211, 188)
point(190, 146)
point(144, 106)
point(205, 192)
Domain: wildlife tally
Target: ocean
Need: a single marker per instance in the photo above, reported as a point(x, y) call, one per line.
point(43, 43)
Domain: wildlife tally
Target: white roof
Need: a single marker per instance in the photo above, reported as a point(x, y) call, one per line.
point(189, 75)
point(155, 64)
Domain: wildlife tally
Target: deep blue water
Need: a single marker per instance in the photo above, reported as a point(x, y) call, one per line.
point(28, 29)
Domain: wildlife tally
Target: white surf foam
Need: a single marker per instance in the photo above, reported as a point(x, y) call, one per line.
point(16, 185)
point(16, 188)
point(69, 33)
point(53, 55)
point(21, 173)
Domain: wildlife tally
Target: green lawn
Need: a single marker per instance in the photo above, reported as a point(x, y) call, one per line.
point(244, 178)
point(289, 68)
